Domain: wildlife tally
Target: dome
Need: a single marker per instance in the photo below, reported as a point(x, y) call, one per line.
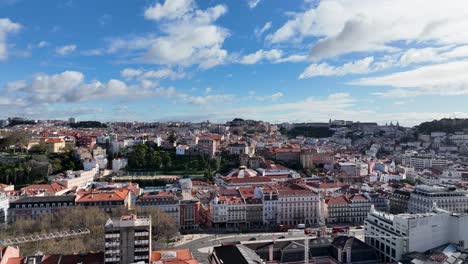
point(242, 172)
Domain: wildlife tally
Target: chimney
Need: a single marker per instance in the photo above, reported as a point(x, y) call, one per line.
point(270, 252)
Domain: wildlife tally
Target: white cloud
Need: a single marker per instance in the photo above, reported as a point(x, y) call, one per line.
point(209, 99)
point(273, 97)
point(65, 50)
point(130, 73)
point(253, 3)
point(448, 78)
point(70, 86)
point(324, 69)
point(293, 58)
point(258, 32)
point(346, 26)
point(270, 55)
point(42, 44)
point(338, 105)
point(208, 89)
point(6, 27)
point(172, 9)
point(189, 35)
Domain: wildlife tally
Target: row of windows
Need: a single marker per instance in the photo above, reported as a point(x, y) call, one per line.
point(43, 205)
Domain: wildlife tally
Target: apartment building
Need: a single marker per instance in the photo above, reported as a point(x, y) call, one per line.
point(297, 205)
point(33, 207)
point(347, 209)
point(76, 178)
point(447, 197)
point(109, 200)
point(228, 209)
point(398, 201)
point(128, 240)
point(165, 201)
point(420, 162)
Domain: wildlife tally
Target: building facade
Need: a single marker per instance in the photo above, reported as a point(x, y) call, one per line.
point(447, 197)
point(128, 240)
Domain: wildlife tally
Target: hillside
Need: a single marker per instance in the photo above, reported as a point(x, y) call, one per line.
point(447, 125)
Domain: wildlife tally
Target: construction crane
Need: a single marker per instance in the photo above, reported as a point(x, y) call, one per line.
point(46, 236)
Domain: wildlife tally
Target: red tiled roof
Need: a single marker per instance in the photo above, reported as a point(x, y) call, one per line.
point(94, 196)
point(50, 188)
point(256, 179)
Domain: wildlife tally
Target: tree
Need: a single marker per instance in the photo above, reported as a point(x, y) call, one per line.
point(166, 161)
point(154, 160)
point(172, 138)
point(163, 226)
point(137, 158)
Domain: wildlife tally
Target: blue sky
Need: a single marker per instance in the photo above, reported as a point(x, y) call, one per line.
point(192, 60)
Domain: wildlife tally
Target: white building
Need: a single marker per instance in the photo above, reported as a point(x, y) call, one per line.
point(394, 235)
point(181, 149)
point(447, 198)
point(4, 204)
point(298, 205)
point(270, 204)
point(421, 162)
point(90, 164)
point(77, 178)
point(228, 209)
point(118, 164)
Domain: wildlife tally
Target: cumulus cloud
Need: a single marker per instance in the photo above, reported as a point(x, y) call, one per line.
point(173, 9)
point(344, 26)
point(71, 86)
point(448, 78)
point(6, 27)
point(270, 55)
point(65, 50)
point(324, 69)
point(189, 35)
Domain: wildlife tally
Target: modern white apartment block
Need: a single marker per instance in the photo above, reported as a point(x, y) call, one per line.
point(420, 162)
point(447, 197)
point(128, 240)
point(395, 235)
point(77, 178)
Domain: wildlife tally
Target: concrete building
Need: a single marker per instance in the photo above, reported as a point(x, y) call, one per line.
point(312, 160)
point(399, 201)
point(395, 235)
point(118, 164)
point(76, 178)
point(165, 201)
point(420, 162)
point(207, 146)
point(35, 206)
point(128, 240)
point(447, 197)
point(298, 205)
point(347, 209)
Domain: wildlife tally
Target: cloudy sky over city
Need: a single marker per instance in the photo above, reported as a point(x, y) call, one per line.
point(275, 60)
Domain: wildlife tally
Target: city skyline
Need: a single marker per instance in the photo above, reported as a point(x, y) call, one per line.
point(195, 60)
